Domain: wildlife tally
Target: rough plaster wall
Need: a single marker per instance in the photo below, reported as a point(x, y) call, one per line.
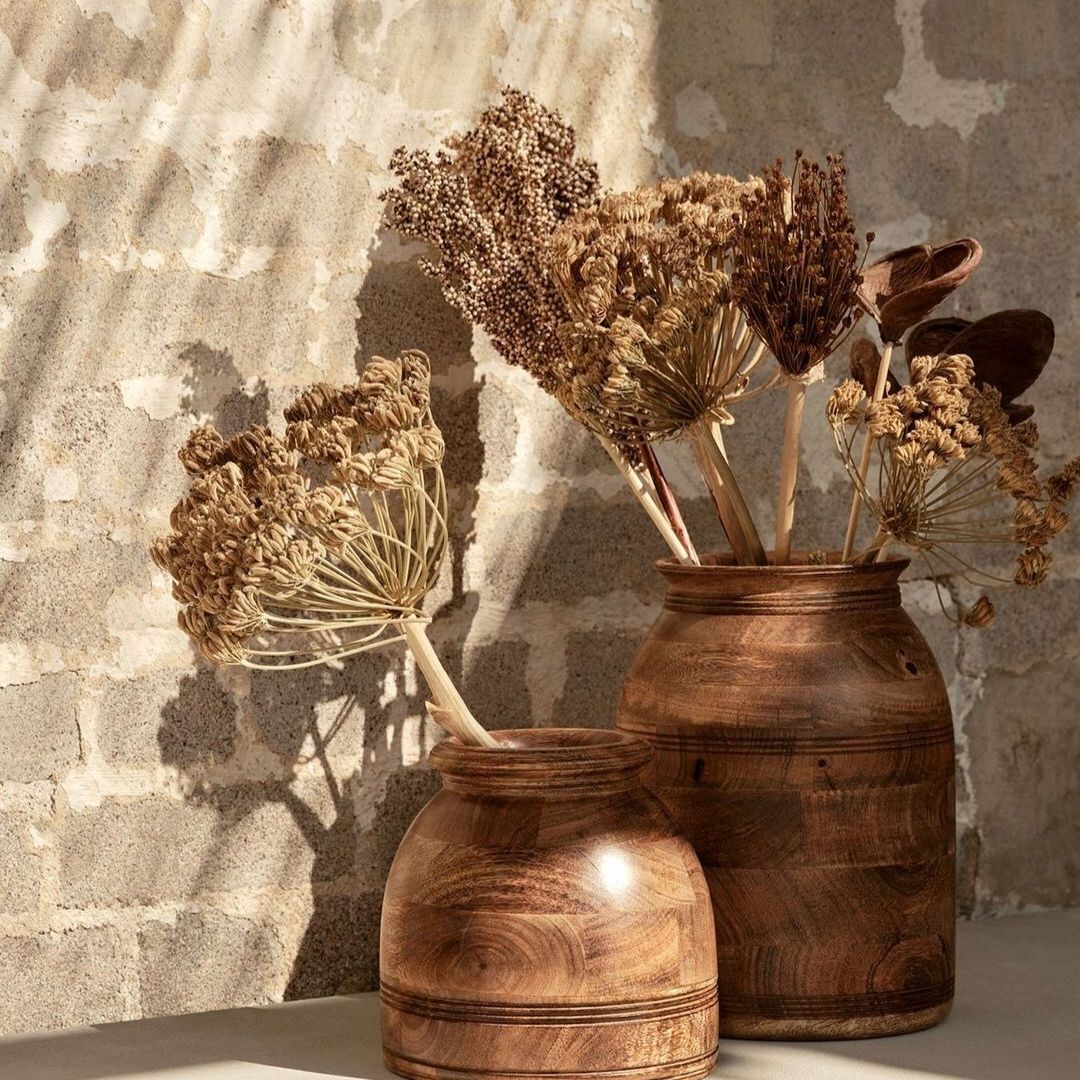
point(189, 231)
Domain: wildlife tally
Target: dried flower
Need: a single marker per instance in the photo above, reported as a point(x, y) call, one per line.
point(277, 569)
point(796, 268)
point(656, 349)
point(487, 203)
point(950, 463)
point(980, 614)
point(844, 404)
point(1008, 348)
point(906, 285)
point(258, 549)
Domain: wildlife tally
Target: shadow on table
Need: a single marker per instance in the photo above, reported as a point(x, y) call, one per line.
point(331, 1037)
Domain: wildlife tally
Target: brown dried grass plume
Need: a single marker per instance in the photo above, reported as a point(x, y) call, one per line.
point(487, 203)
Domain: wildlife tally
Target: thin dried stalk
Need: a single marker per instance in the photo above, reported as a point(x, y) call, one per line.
point(666, 498)
point(789, 469)
point(727, 498)
point(462, 723)
point(864, 459)
point(649, 503)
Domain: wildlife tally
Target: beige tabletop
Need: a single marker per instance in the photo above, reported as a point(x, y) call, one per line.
point(1017, 1017)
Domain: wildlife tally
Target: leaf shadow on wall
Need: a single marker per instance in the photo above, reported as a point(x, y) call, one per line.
point(329, 743)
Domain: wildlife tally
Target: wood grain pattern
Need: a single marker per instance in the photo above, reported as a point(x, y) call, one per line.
point(804, 745)
point(542, 919)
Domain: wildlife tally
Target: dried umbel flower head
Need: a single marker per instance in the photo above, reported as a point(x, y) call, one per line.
point(906, 285)
point(376, 433)
point(654, 345)
point(1008, 348)
point(277, 569)
point(953, 471)
point(487, 204)
point(981, 614)
point(796, 266)
point(656, 349)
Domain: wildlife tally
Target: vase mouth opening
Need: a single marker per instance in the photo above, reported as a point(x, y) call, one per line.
point(531, 759)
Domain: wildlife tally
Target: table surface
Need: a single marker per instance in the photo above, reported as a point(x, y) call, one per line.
point(1017, 1017)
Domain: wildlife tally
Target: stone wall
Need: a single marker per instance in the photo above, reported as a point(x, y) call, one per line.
point(189, 231)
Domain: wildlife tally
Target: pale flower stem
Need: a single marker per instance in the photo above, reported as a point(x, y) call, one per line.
point(867, 450)
point(717, 431)
point(649, 503)
point(456, 716)
point(881, 551)
point(872, 552)
point(727, 498)
point(789, 471)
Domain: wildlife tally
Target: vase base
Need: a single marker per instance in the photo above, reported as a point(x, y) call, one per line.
point(696, 1069)
point(818, 1028)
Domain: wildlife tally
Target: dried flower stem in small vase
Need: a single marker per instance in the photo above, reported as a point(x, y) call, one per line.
point(292, 552)
point(726, 495)
point(789, 468)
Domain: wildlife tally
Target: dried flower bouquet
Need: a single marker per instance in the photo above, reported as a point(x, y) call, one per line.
point(294, 551)
point(649, 315)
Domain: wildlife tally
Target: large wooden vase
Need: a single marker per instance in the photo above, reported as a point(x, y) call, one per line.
point(805, 747)
point(542, 919)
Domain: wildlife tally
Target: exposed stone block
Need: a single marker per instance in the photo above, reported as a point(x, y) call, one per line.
point(56, 980)
point(208, 960)
point(249, 837)
point(39, 735)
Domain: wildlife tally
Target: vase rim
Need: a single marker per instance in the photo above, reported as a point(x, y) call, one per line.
point(713, 562)
point(532, 759)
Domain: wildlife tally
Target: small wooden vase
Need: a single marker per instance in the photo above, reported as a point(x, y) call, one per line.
point(805, 748)
point(542, 919)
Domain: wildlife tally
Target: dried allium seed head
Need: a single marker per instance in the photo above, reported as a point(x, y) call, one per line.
point(796, 267)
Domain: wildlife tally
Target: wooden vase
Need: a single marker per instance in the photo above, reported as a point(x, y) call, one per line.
point(805, 748)
point(542, 919)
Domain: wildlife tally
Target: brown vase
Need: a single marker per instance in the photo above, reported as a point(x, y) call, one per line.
point(805, 748)
point(542, 919)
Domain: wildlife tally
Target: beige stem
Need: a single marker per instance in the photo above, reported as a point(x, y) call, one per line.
point(730, 505)
point(867, 450)
point(644, 495)
point(881, 551)
point(453, 712)
point(789, 471)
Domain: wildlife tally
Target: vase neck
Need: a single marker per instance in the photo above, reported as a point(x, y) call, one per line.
point(720, 588)
point(555, 762)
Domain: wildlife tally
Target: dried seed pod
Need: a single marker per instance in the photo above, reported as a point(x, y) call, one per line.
point(906, 285)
